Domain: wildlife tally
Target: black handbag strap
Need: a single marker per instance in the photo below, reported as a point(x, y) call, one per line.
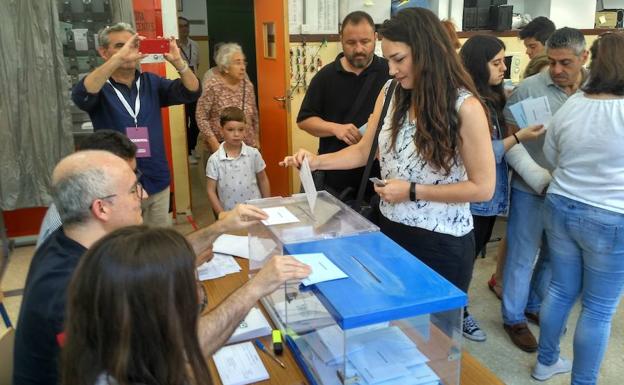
point(373, 150)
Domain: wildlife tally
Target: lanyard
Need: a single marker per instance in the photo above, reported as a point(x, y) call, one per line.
point(137, 101)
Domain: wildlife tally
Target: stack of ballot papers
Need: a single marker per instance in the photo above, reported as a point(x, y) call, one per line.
point(219, 266)
point(377, 356)
point(239, 364)
point(531, 111)
point(253, 326)
point(235, 245)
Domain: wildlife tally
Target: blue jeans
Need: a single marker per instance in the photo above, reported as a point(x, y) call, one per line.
point(587, 248)
point(524, 237)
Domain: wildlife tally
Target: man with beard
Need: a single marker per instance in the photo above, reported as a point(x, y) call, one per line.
point(341, 97)
point(567, 55)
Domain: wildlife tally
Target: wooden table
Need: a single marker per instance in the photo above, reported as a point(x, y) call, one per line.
point(472, 372)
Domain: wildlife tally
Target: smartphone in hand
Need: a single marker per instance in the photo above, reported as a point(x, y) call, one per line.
point(377, 181)
point(154, 46)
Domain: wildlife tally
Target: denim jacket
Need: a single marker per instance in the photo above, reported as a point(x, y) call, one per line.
point(500, 201)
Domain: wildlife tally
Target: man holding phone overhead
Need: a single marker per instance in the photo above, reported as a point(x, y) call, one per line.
point(118, 96)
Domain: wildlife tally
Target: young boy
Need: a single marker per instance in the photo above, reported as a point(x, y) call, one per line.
point(236, 171)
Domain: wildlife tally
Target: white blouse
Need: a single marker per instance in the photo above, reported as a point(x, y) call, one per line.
point(403, 162)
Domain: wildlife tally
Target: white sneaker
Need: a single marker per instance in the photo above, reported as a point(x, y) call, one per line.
point(472, 331)
point(543, 372)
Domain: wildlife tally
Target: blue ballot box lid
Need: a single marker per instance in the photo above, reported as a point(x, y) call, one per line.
point(385, 281)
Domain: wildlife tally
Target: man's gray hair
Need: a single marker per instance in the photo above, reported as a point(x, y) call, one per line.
point(570, 38)
point(103, 39)
point(223, 57)
point(74, 194)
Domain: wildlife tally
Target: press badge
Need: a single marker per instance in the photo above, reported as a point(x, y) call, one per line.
point(140, 137)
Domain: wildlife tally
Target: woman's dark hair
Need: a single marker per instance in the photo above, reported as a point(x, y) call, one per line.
point(133, 312)
point(606, 70)
point(476, 53)
point(438, 76)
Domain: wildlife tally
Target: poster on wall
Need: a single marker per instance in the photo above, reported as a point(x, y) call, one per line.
point(313, 16)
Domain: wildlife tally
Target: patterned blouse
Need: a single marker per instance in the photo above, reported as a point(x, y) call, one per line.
point(217, 95)
point(406, 164)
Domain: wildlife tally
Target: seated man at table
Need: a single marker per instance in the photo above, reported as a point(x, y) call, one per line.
point(97, 192)
point(106, 140)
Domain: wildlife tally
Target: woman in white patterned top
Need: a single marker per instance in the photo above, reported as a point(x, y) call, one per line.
point(434, 147)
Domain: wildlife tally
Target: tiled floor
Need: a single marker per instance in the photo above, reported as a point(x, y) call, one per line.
point(497, 353)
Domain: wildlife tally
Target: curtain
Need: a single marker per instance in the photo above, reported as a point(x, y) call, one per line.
point(35, 120)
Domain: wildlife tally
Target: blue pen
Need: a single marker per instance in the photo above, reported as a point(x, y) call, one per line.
point(260, 346)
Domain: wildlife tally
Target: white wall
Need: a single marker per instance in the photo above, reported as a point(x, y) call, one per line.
point(195, 10)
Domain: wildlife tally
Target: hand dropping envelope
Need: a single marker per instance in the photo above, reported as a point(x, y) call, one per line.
point(322, 268)
point(305, 174)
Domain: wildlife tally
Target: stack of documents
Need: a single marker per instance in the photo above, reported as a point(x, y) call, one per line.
point(239, 364)
point(219, 266)
point(531, 111)
point(378, 356)
point(253, 326)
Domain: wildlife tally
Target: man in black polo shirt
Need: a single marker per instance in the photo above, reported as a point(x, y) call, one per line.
point(342, 96)
point(97, 192)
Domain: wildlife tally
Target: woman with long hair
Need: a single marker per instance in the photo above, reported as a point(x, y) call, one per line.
point(133, 310)
point(434, 147)
point(584, 217)
point(484, 59)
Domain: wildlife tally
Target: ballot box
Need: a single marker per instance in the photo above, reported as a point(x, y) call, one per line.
point(389, 319)
point(392, 320)
point(294, 221)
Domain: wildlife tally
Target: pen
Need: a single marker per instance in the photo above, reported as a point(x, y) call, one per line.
point(262, 348)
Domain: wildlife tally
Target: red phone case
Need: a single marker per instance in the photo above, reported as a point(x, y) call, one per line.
point(154, 46)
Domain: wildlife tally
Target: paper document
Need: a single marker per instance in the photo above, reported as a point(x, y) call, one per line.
point(219, 266)
point(253, 326)
point(81, 41)
point(279, 215)
point(518, 113)
point(537, 110)
point(305, 174)
point(239, 364)
point(322, 268)
point(235, 245)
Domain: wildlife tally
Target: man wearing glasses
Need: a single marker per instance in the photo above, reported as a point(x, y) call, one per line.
point(97, 192)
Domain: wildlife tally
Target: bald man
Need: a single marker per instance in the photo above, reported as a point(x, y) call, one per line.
point(97, 192)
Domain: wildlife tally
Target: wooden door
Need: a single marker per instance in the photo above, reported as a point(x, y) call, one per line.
point(271, 31)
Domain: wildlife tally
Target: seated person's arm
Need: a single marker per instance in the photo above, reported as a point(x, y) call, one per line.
point(213, 198)
point(263, 184)
point(218, 325)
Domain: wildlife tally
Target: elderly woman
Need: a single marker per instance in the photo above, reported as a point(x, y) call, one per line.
point(228, 86)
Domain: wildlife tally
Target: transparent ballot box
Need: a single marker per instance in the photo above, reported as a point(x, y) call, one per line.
point(331, 218)
point(392, 321)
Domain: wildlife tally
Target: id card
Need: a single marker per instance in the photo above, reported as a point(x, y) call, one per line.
point(140, 137)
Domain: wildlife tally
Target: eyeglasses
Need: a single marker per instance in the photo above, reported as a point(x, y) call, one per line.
point(137, 188)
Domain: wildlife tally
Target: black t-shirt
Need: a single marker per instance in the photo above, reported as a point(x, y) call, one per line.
point(331, 96)
point(42, 313)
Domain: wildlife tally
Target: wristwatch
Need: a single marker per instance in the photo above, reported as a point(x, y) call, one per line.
point(412, 192)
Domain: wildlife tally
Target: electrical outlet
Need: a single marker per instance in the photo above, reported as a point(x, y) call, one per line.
point(514, 71)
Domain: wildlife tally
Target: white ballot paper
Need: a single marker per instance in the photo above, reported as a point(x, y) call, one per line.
point(279, 215)
point(537, 110)
point(322, 268)
point(220, 265)
point(308, 183)
point(239, 364)
point(236, 245)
